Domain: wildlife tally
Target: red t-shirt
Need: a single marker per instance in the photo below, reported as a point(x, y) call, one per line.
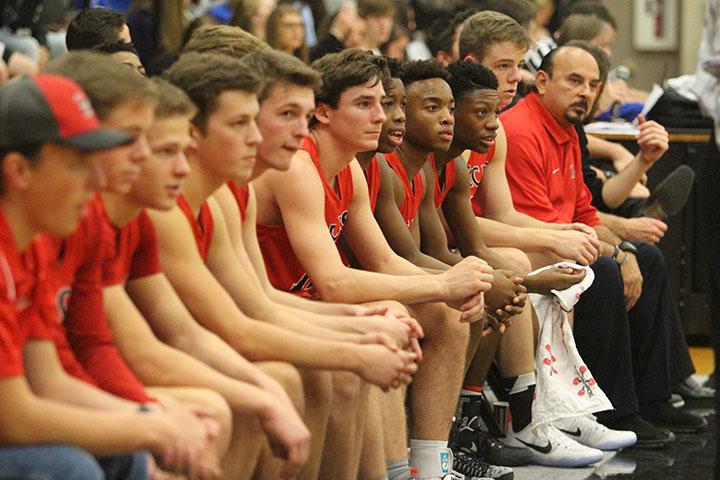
point(544, 166)
point(132, 251)
point(202, 226)
point(75, 266)
point(476, 168)
point(413, 191)
point(372, 177)
point(24, 296)
point(283, 267)
point(242, 196)
point(448, 180)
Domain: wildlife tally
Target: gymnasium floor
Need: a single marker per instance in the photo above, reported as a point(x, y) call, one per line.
point(690, 458)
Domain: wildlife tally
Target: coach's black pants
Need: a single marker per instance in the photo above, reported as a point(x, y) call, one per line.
point(628, 352)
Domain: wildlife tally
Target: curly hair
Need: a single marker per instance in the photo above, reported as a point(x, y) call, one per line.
point(411, 72)
point(466, 77)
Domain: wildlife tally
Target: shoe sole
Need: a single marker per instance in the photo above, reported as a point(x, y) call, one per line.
point(671, 195)
point(655, 445)
point(505, 462)
point(569, 463)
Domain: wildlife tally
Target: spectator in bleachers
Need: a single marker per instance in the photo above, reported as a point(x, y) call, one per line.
point(286, 32)
point(379, 15)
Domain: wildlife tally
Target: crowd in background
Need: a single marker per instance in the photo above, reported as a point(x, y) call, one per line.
point(33, 31)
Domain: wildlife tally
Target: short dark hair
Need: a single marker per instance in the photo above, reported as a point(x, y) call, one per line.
point(466, 77)
point(204, 76)
point(93, 27)
point(593, 7)
point(108, 48)
point(522, 11)
point(578, 27)
point(278, 67)
point(443, 31)
point(106, 81)
point(548, 61)
point(346, 69)
point(486, 28)
point(379, 8)
point(415, 71)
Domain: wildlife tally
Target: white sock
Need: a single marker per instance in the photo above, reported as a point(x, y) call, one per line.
point(431, 459)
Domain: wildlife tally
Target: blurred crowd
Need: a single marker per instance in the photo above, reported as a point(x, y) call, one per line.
point(33, 31)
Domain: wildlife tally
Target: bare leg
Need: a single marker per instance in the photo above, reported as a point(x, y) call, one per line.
point(229, 442)
point(372, 459)
point(437, 383)
point(269, 466)
point(341, 456)
point(516, 353)
point(543, 259)
point(520, 262)
point(394, 421)
point(318, 397)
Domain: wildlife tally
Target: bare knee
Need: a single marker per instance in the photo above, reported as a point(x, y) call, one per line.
point(517, 258)
point(442, 325)
point(318, 388)
point(216, 406)
point(347, 388)
point(289, 379)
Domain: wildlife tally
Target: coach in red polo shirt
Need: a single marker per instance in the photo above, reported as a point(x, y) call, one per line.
point(622, 321)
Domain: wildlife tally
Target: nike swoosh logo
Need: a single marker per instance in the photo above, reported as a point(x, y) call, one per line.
point(546, 449)
point(555, 171)
point(576, 433)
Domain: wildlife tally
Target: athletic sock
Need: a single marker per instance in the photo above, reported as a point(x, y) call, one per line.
point(521, 393)
point(399, 470)
point(430, 459)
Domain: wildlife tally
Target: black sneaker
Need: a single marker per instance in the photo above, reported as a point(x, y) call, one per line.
point(473, 468)
point(669, 197)
point(710, 382)
point(664, 415)
point(480, 445)
point(648, 435)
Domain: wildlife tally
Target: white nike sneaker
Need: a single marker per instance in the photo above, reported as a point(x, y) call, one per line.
point(550, 447)
point(587, 431)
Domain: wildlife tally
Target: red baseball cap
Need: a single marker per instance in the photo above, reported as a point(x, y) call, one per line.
point(52, 109)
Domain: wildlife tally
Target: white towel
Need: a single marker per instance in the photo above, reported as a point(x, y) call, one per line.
point(565, 386)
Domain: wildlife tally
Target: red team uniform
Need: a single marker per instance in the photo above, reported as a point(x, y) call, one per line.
point(283, 267)
point(22, 296)
point(372, 177)
point(444, 182)
point(413, 191)
point(242, 196)
point(476, 167)
point(132, 251)
point(75, 269)
point(202, 225)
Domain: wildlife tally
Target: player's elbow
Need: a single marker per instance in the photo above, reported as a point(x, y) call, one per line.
point(333, 288)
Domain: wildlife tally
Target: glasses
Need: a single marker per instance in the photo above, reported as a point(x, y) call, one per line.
point(293, 25)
